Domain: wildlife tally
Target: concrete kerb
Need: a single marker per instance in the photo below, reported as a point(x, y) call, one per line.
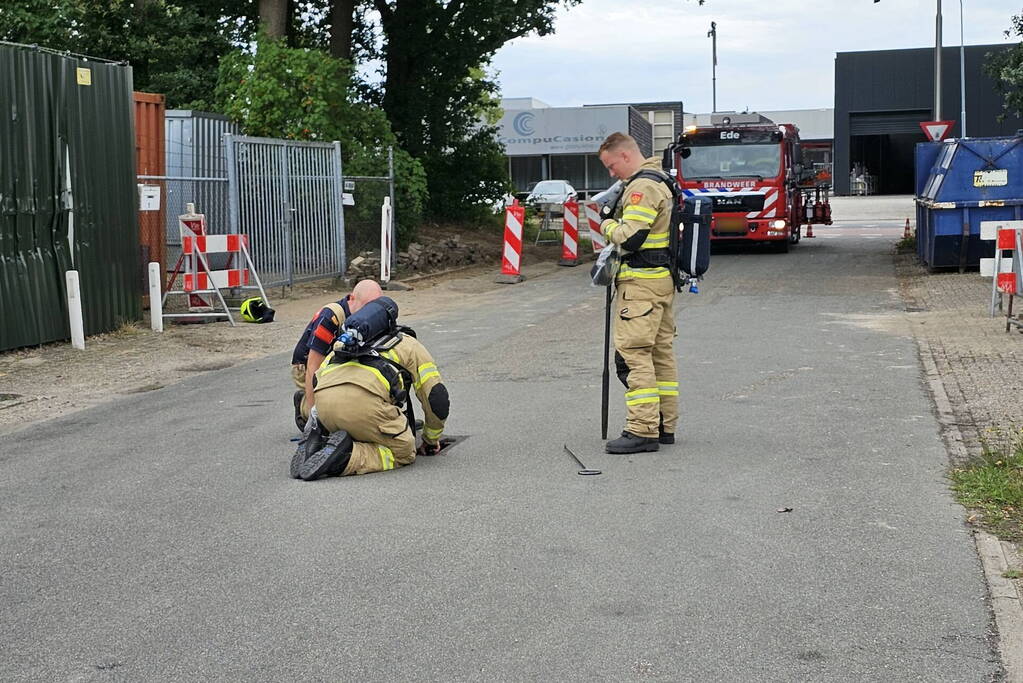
point(996, 556)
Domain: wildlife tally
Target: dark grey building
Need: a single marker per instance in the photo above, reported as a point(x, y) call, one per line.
point(882, 96)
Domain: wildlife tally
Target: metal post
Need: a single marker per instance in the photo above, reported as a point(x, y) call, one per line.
point(155, 297)
point(233, 203)
point(74, 310)
point(937, 64)
point(394, 210)
point(962, 75)
point(713, 34)
point(339, 211)
point(284, 165)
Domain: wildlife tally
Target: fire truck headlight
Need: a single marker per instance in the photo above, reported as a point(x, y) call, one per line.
point(778, 224)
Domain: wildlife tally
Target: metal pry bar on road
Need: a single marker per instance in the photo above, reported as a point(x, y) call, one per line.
point(583, 469)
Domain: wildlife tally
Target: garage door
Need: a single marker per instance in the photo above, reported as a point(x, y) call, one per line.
point(887, 122)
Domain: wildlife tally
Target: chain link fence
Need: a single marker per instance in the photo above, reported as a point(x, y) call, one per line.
point(304, 218)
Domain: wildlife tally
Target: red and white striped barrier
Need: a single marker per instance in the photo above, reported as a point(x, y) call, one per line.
point(1007, 265)
point(189, 224)
point(194, 267)
point(593, 219)
point(199, 247)
point(511, 258)
point(570, 235)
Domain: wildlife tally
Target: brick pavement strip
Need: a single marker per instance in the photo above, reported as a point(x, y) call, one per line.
point(975, 372)
point(980, 365)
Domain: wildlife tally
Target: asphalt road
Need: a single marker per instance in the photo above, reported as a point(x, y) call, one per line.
point(160, 538)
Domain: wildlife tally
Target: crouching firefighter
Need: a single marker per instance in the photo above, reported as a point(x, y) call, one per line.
point(641, 228)
point(362, 420)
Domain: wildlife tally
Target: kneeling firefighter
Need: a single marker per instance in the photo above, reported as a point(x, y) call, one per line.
point(357, 424)
point(644, 321)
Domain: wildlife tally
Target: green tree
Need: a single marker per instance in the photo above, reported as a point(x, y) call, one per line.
point(1006, 69)
point(434, 90)
point(303, 94)
point(173, 46)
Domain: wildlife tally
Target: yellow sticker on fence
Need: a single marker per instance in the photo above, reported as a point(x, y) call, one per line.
point(84, 76)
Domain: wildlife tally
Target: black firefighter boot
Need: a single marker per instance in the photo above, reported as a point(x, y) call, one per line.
point(664, 437)
point(630, 443)
point(313, 438)
point(329, 461)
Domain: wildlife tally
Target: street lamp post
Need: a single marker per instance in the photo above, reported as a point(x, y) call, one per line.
point(713, 35)
point(937, 64)
point(962, 74)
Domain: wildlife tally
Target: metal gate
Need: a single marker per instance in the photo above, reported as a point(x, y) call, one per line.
point(286, 196)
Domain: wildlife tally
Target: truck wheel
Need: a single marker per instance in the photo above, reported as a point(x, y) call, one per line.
point(796, 235)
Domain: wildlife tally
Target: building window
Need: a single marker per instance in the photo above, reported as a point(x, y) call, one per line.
point(569, 167)
point(525, 172)
point(663, 124)
point(597, 178)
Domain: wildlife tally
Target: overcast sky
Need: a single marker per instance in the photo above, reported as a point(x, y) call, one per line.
point(772, 54)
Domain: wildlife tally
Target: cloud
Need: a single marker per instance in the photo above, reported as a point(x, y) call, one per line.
point(777, 55)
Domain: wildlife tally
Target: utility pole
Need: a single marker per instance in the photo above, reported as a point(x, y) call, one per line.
point(713, 35)
point(962, 75)
point(937, 65)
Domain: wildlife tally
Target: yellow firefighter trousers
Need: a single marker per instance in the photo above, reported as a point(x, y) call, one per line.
point(298, 376)
point(380, 431)
point(644, 332)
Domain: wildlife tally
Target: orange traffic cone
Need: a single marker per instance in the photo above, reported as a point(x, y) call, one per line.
point(905, 233)
point(809, 231)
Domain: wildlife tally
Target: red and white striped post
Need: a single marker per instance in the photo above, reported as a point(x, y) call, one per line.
point(593, 219)
point(511, 258)
point(570, 235)
point(1006, 268)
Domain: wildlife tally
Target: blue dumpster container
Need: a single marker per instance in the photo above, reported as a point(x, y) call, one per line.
point(966, 181)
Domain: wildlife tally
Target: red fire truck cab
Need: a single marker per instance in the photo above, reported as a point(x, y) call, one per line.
point(751, 168)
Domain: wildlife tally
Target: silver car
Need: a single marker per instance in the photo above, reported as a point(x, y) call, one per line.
point(547, 192)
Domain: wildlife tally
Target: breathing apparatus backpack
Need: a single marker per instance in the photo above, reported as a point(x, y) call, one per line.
point(688, 232)
point(366, 336)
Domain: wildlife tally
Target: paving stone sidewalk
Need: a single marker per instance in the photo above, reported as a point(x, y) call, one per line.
point(980, 364)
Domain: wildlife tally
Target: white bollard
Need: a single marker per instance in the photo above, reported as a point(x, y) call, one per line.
point(155, 297)
point(74, 310)
point(385, 240)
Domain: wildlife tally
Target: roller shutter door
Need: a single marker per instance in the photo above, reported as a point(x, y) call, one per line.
point(888, 123)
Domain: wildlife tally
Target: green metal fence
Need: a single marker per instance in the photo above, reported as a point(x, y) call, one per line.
point(67, 194)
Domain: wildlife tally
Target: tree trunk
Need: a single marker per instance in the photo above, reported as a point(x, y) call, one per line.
point(273, 17)
point(342, 22)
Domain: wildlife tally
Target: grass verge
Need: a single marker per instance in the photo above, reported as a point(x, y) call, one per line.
point(991, 485)
point(906, 244)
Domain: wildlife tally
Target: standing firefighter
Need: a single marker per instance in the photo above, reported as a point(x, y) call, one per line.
point(644, 326)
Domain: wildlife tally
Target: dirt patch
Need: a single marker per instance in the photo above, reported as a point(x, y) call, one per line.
point(54, 379)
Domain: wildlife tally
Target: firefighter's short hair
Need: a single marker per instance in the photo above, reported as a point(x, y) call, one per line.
point(616, 141)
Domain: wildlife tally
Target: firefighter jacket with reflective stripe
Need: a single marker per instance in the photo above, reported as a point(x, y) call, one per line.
point(641, 224)
point(411, 356)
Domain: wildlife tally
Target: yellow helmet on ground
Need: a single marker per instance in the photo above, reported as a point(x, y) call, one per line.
point(253, 310)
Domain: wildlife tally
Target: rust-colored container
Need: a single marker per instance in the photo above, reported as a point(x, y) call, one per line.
point(151, 161)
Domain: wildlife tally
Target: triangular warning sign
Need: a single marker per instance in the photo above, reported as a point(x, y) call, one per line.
point(936, 130)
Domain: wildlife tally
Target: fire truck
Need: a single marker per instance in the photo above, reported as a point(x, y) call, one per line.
point(751, 168)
